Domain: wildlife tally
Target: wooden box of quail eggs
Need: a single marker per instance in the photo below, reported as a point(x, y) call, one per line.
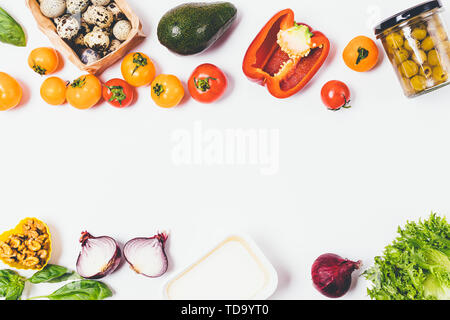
point(92, 34)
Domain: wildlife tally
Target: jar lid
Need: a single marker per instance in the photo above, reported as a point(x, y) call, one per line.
point(406, 15)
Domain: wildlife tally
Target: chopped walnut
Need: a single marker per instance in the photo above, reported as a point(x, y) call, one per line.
point(29, 248)
point(31, 261)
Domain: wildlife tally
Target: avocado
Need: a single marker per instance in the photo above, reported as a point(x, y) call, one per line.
point(193, 27)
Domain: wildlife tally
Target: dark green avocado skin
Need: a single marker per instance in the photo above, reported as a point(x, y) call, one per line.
point(193, 27)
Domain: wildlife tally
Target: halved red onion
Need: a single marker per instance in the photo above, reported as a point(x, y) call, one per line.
point(147, 256)
point(99, 256)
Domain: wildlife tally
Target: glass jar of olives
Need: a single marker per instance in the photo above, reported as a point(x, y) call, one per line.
point(417, 44)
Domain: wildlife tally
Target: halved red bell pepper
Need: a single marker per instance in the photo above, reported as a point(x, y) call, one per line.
point(282, 70)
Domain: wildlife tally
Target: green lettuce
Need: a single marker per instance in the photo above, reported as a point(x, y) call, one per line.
point(416, 266)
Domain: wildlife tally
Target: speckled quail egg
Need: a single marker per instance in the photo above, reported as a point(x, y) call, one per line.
point(53, 8)
point(89, 56)
point(77, 6)
point(115, 10)
point(122, 30)
point(114, 46)
point(107, 31)
point(97, 40)
point(100, 2)
point(67, 26)
point(79, 40)
point(99, 16)
point(84, 27)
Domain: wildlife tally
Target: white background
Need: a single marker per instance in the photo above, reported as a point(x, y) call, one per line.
point(346, 180)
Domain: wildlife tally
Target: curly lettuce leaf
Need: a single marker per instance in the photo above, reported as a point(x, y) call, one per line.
point(416, 266)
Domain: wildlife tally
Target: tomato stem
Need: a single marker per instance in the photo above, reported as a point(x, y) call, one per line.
point(139, 61)
point(38, 69)
point(346, 106)
point(79, 83)
point(362, 54)
point(158, 89)
point(117, 94)
point(203, 84)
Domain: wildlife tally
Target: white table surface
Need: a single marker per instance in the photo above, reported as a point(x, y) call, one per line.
point(344, 183)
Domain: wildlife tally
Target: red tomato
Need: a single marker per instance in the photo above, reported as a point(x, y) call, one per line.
point(207, 83)
point(118, 93)
point(336, 95)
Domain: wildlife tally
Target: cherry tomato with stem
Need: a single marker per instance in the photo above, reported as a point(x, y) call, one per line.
point(207, 83)
point(336, 95)
point(118, 93)
point(138, 69)
point(84, 92)
point(167, 91)
point(43, 61)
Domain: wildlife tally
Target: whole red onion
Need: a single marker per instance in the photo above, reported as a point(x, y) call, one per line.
point(332, 275)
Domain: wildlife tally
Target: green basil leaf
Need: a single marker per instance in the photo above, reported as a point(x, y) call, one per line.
point(66, 277)
point(10, 31)
point(82, 290)
point(11, 285)
point(50, 272)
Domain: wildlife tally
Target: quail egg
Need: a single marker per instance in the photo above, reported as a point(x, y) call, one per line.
point(77, 6)
point(100, 2)
point(114, 46)
point(107, 31)
point(97, 40)
point(79, 40)
point(89, 56)
point(115, 10)
point(84, 29)
point(122, 30)
point(53, 8)
point(67, 26)
point(99, 16)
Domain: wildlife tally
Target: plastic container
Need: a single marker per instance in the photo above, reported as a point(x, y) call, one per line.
point(417, 44)
point(236, 269)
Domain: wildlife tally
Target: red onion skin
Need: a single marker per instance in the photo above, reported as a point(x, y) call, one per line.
point(332, 275)
point(113, 263)
point(162, 238)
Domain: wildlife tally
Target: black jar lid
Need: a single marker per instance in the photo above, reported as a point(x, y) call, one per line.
point(406, 15)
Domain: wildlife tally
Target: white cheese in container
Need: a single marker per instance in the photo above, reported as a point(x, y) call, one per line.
point(234, 270)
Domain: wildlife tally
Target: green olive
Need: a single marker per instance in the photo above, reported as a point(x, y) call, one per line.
point(411, 44)
point(409, 68)
point(427, 44)
point(439, 75)
point(419, 33)
point(425, 70)
point(433, 58)
point(407, 87)
point(401, 55)
point(419, 83)
point(420, 57)
point(394, 40)
point(441, 34)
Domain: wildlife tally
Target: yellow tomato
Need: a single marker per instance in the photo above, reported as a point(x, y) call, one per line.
point(167, 91)
point(10, 92)
point(84, 92)
point(43, 60)
point(137, 69)
point(53, 91)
